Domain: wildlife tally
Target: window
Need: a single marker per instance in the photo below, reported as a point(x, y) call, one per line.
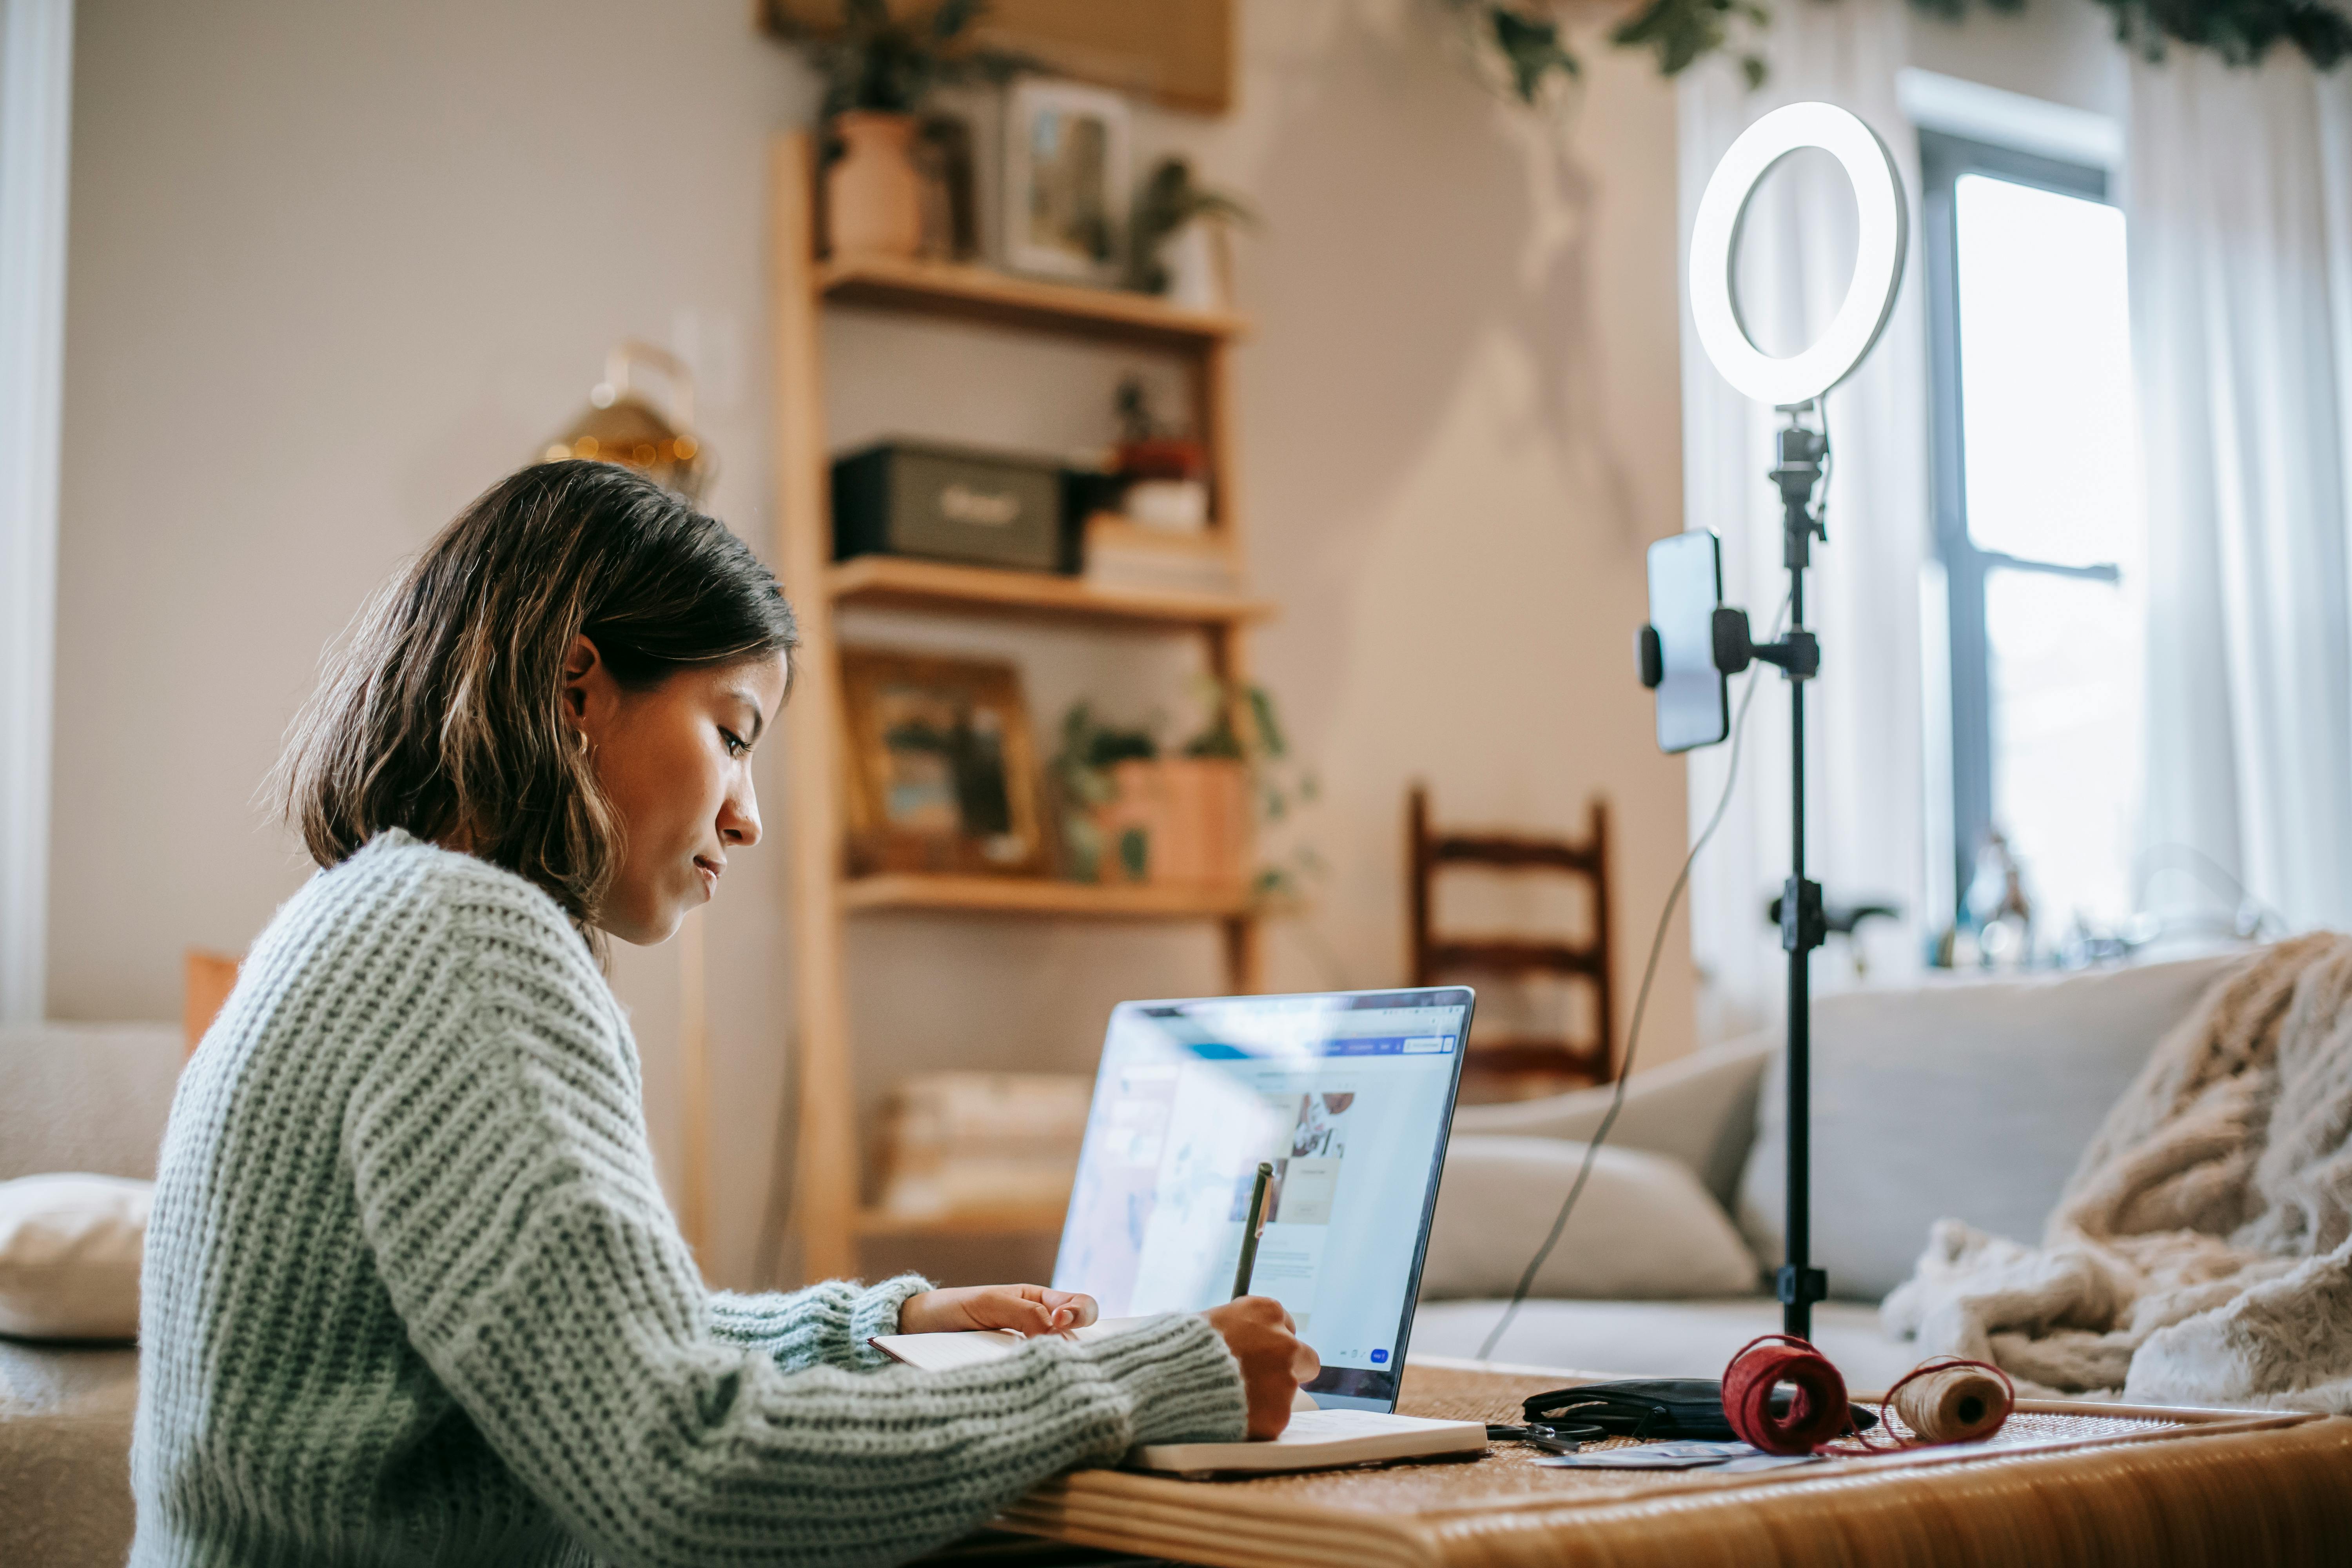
point(2037, 516)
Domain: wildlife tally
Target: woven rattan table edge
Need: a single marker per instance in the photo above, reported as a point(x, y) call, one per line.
point(1471, 1536)
point(1155, 1516)
point(1159, 1515)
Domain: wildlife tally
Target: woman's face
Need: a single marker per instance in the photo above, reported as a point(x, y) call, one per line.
point(676, 763)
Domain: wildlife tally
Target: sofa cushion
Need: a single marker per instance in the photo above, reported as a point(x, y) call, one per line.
point(1657, 1339)
point(1643, 1225)
point(1700, 1109)
point(70, 1246)
point(1969, 1100)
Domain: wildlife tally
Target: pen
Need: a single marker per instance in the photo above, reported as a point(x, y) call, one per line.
point(1252, 1229)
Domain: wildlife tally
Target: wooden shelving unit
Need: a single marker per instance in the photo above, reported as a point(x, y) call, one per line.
point(828, 1216)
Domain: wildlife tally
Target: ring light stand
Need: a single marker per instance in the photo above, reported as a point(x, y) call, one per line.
point(1794, 385)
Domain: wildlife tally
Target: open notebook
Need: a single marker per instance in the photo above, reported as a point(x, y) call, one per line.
point(1315, 1439)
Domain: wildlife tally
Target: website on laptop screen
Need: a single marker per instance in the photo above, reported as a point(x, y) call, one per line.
point(1349, 1097)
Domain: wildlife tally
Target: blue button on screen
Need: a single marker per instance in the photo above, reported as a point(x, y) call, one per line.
point(1378, 1356)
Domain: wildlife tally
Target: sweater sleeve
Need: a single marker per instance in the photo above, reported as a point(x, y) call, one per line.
point(510, 1203)
point(827, 1324)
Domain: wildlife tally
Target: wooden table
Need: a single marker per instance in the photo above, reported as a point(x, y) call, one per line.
point(2062, 1483)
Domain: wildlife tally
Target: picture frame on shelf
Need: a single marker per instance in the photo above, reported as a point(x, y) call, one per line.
point(1069, 180)
point(942, 769)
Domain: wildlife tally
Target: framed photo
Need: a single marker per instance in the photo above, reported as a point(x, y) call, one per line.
point(943, 776)
point(1067, 181)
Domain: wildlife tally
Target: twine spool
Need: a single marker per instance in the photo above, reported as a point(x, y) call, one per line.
point(1949, 1400)
point(1816, 1414)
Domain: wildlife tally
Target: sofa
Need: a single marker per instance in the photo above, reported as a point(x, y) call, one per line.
point(75, 1098)
point(1963, 1098)
point(1970, 1099)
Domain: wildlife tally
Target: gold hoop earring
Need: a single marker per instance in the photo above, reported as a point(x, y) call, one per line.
point(580, 744)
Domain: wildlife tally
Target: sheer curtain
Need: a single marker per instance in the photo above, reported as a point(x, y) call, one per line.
point(2239, 197)
point(36, 88)
point(1865, 731)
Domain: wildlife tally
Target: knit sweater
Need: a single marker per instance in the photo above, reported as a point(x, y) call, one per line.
point(412, 1295)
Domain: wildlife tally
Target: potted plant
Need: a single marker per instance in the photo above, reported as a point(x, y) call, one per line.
point(1245, 734)
point(879, 72)
point(1131, 814)
point(1179, 244)
point(1099, 842)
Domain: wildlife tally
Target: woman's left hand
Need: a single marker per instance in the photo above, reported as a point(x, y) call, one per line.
point(1025, 1309)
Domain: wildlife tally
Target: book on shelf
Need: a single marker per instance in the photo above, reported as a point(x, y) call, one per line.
point(1123, 554)
point(975, 1142)
point(1315, 1439)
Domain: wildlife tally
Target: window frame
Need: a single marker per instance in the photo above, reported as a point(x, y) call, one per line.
point(1944, 159)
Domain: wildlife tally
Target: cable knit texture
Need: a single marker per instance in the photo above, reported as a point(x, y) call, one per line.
point(411, 1294)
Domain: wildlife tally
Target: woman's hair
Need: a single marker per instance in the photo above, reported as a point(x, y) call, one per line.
point(442, 712)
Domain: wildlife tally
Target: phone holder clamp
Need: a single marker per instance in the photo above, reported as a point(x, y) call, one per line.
point(1799, 655)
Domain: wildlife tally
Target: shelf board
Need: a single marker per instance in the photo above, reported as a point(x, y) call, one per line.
point(989, 1222)
point(1043, 896)
point(1000, 299)
point(899, 582)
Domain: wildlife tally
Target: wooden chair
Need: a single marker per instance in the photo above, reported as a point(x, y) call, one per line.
point(1518, 1067)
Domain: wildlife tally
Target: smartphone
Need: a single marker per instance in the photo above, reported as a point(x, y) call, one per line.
point(1685, 586)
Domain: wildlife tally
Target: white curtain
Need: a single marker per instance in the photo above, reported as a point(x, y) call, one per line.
point(1866, 740)
point(36, 89)
point(2239, 198)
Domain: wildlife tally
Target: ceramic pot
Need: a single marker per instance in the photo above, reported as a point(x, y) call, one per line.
point(1199, 260)
point(873, 192)
point(1177, 820)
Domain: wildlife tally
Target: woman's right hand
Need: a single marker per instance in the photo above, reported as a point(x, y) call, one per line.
point(1273, 1361)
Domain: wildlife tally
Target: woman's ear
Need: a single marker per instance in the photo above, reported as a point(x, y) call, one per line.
point(588, 690)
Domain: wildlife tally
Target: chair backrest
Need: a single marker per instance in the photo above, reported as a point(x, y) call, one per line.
point(1518, 1067)
point(208, 978)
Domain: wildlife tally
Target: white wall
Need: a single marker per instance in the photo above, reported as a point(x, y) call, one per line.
point(333, 269)
point(2063, 51)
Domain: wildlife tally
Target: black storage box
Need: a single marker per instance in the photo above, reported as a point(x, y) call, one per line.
point(950, 503)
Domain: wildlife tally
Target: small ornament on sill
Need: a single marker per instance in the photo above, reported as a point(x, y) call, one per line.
point(1166, 475)
point(620, 427)
point(883, 163)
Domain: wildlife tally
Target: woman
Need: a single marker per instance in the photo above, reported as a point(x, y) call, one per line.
point(412, 1295)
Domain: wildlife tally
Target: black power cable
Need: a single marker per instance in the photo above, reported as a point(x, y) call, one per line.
point(1641, 1004)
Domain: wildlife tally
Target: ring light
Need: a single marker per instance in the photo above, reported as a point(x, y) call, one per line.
point(1877, 260)
point(1794, 385)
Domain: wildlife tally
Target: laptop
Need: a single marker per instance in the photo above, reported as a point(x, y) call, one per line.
point(1349, 1095)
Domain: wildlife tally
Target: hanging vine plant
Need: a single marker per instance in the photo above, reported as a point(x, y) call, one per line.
point(2241, 31)
point(1523, 43)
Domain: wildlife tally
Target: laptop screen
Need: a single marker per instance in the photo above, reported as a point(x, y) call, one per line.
point(1348, 1095)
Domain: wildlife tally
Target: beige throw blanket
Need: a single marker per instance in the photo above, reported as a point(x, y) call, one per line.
point(2202, 1250)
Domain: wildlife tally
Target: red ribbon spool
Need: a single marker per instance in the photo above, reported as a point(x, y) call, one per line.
point(1818, 1412)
